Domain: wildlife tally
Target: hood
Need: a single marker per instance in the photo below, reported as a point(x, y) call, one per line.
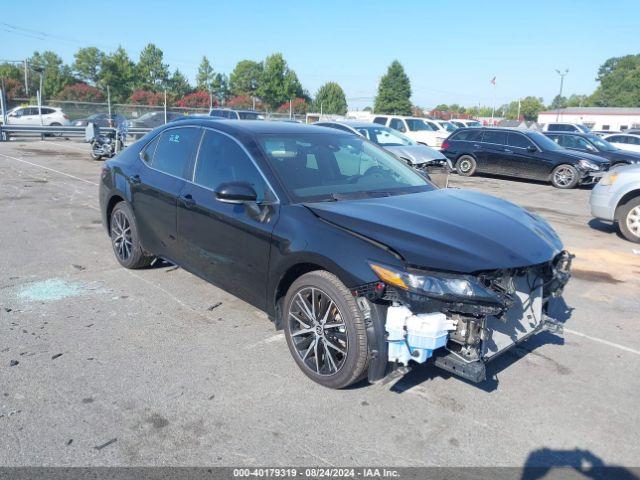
point(416, 153)
point(622, 156)
point(448, 229)
point(581, 155)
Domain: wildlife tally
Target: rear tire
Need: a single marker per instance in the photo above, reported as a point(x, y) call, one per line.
point(55, 124)
point(466, 165)
point(565, 176)
point(628, 218)
point(325, 330)
point(125, 240)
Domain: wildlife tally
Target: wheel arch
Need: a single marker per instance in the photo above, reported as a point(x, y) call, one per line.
point(290, 275)
point(626, 198)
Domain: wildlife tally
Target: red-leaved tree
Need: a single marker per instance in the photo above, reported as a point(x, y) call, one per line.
point(298, 105)
point(13, 88)
point(80, 92)
point(144, 97)
point(199, 99)
point(244, 101)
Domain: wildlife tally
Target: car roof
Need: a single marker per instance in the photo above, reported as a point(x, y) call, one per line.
point(256, 126)
point(353, 123)
point(625, 134)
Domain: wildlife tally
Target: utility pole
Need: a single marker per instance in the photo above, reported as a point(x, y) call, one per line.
point(518, 117)
point(290, 108)
point(26, 80)
point(109, 101)
point(165, 107)
point(562, 75)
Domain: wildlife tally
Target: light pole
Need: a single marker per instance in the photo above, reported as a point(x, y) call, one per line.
point(562, 75)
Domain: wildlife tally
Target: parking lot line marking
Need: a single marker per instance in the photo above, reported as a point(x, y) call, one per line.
point(49, 168)
point(604, 342)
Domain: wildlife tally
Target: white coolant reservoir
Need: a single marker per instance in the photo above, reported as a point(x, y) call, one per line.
point(414, 337)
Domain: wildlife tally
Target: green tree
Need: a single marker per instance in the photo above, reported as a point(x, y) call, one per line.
point(220, 86)
point(530, 107)
point(11, 70)
point(576, 100)
point(245, 78)
point(87, 64)
point(443, 107)
point(394, 91)
point(56, 75)
point(151, 72)
point(206, 75)
point(619, 79)
point(178, 85)
point(278, 83)
point(117, 72)
point(558, 102)
point(330, 99)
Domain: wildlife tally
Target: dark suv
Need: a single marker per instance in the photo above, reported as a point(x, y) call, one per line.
point(590, 143)
point(361, 260)
point(522, 154)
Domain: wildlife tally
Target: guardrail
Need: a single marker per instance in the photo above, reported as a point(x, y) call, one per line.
point(7, 131)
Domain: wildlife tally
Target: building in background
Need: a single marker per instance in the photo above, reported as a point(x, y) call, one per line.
point(614, 119)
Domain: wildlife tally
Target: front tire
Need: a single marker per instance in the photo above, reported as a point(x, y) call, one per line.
point(325, 330)
point(125, 240)
point(466, 165)
point(628, 217)
point(565, 176)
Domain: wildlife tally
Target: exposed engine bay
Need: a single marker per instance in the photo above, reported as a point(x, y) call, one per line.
point(462, 334)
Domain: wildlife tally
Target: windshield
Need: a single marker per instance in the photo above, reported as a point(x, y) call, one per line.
point(474, 123)
point(385, 137)
point(415, 125)
point(600, 143)
point(448, 126)
point(147, 116)
point(583, 128)
point(544, 142)
point(329, 167)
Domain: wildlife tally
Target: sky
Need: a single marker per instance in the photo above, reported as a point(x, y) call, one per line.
point(450, 49)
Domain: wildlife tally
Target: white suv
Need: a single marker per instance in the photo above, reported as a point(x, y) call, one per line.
point(414, 127)
point(465, 122)
point(51, 116)
point(565, 127)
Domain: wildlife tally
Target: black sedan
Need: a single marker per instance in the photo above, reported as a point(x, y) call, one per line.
point(101, 120)
point(361, 260)
point(523, 154)
point(590, 143)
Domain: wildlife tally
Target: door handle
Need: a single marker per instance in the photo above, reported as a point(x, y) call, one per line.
point(187, 200)
point(135, 179)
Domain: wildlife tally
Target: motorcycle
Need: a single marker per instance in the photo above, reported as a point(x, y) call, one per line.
point(108, 144)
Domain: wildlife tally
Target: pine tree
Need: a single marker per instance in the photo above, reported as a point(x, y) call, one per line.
point(330, 99)
point(394, 92)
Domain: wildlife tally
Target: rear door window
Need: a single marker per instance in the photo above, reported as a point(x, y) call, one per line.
point(380, 120)
point(518, 140)
point(495, 137)
point(397, 124)
point(175, 150)
point(467, 135)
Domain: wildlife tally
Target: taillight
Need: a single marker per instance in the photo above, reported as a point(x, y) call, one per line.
point(65, 116)
point(445, 145)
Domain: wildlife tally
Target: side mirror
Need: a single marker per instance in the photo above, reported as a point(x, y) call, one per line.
point(236, 192)
point(531, 149)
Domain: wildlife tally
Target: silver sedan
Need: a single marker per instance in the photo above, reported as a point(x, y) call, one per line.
point(616, 198)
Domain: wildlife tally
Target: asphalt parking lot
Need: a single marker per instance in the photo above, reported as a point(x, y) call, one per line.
point(118, 367)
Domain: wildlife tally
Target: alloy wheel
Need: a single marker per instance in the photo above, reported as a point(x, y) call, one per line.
point(121, 235)
point(465, 166)
point(633, 221)
point(564, 176)
point(318, 331)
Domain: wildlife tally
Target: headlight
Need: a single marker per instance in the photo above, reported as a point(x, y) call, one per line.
point(587, 165)
point(442, 286)
point(609, 178)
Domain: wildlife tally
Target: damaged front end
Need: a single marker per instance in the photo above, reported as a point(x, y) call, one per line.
point(462, 321)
